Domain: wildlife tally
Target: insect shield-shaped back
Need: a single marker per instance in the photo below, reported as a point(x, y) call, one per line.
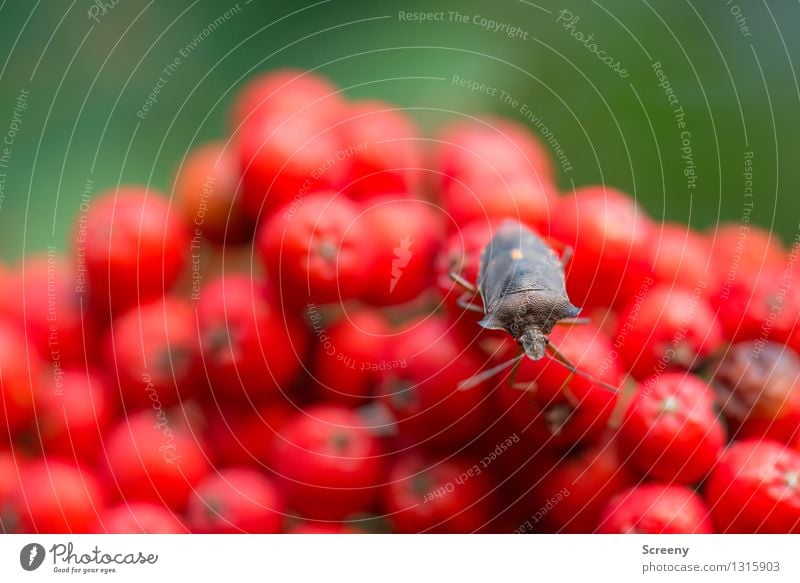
point(521, 282)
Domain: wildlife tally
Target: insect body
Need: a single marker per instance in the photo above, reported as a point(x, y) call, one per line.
point(521, 283)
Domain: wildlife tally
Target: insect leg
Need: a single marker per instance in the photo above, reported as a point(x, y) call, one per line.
point(487, 374)
point(463, 302)
point(558, 357)
point(574, 322)
point(462, 282)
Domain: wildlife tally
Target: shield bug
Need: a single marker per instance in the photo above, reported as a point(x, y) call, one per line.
point(521, 285)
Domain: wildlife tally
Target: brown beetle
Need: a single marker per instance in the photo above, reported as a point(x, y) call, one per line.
point(521, 284)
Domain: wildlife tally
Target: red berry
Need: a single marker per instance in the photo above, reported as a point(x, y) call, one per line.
point(153, 459)
point(739, 248)
point(56, 498)
point(72, 413)
point(571, 494)
point(321, 528)
point(555, 408)
point(251, 350)
point(135, 248)
point(666, 329)
point(756, 488)
point(140, 518)
point(236, 500)
point(423, 392)
point(207, 189)
point(245, 436)
point(406, 237)
point(656, 509)
point(285, 92)
point(613, 241)
point(384, 147)
point(317, 249)
point(682, 258)
point(758, 384)
point(329, 463)
point(425, 495)
point(19, 373)
point(351, 355)
point(152, 351)
point(283, 160)
point(670, 430)
point(47, 304)
point(494, 170)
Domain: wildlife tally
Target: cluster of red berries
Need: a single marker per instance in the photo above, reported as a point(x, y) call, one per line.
point(278, 347)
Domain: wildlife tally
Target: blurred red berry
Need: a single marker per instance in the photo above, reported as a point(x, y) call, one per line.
point(406, 237)
point(423, 393)
point(614, 244)
point(666, 329)
point(251, 349)
point(55, 498)
point(152, 353)
point(19, 374)
point(153, 459)
point(426, 495)
point(329, 463)
point(656, 509)
point(235, 500)
point(207, 190)
point(682, 257)
point(494, 170)
point(385, 150)
point(134, 246)
point(755, 488)
point(351, 356)
point(140, 518)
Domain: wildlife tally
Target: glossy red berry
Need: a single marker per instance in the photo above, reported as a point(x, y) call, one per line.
point(140, 518)
point(670, 430)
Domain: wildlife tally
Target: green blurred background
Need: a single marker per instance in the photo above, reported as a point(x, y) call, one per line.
point(87, 78)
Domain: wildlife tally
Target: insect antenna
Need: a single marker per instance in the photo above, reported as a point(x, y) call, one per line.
point(487, 374)
point(558, 357)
